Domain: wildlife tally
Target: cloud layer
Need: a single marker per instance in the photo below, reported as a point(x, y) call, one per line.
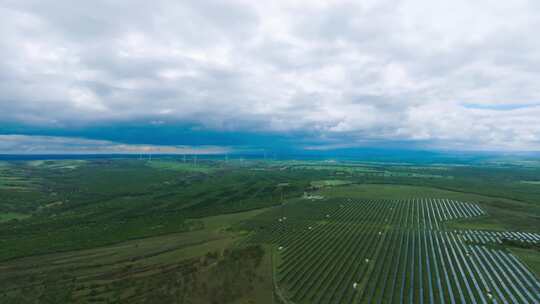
point(24, 144)
point(457, 75)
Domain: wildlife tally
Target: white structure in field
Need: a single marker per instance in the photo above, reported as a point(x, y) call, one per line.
point(312, 196)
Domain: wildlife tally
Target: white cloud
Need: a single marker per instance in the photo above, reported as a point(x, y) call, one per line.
point(349, 70)
point(24, 144)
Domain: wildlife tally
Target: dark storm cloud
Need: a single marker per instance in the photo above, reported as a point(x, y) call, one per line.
point(340, 72)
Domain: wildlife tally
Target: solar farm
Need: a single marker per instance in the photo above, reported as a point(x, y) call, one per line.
point(393, 251)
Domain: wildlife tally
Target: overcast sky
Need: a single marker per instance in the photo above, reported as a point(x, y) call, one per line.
point(460, 74)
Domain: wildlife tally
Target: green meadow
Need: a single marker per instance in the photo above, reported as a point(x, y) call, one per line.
point(134, 231)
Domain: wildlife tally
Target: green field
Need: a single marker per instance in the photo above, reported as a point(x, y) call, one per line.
point(174, 267)
point(329, 183)
point(57, 164)
point(140, 231)
point(180, 166)
point(531, 182)
point(8, 216)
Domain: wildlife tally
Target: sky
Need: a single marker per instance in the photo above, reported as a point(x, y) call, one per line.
point(215, 76)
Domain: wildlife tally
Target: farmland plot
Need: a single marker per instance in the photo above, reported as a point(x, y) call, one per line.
point(396, 251)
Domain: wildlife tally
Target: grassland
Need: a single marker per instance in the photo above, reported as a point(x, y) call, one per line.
point(12, 179)
point(57, 164)
point(9, 216)
point(329, 183)
point(191, 265)
point(135, 231)
point(531, 182)
point(180, 166)
point(102, 202)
